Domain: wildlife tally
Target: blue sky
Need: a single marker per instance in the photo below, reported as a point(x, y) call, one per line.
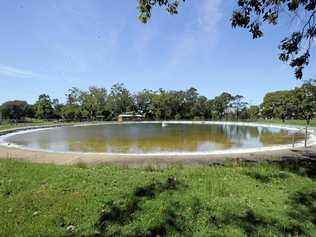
point(49, 46)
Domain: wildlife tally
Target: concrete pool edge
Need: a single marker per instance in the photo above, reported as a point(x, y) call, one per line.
point(43, 156)
point(311, 140)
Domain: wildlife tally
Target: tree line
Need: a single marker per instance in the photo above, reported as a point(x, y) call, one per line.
point(100, 104)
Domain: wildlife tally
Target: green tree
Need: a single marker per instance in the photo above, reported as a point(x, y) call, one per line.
point(200, 109)
point(190, 99)
point(278, 104)
point(221, 104)
point(72, 112)
point(14, 110)
point(284, 107)
point(243, 113)
point(306, 95)
point(176, 105)
point(73, 96)
point(30, 111)
point(93, 101)
point(145, 7)
point(44, 107)
point(238, 104)
point(120, 100)
point(254, 112)
point(163, 105)
point(57, 107)
point(144, 103)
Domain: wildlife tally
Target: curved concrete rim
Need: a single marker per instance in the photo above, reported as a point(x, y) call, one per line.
point(311, 141)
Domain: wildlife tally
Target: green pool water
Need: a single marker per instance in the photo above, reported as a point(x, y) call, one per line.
point(151, 138)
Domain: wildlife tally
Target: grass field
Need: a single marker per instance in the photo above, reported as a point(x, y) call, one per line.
point(259, 200)
point(231, 200)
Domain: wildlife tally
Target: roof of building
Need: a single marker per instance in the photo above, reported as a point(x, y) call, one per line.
point(131, 115)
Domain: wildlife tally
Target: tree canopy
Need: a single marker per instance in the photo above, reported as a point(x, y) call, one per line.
point(44, 107)
point(101, 104)
point(253, 14)
point(299, 103)
point(14, 110)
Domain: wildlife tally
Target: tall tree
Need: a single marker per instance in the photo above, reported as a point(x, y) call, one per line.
point(306, 95)
point(144, 103)
point(191, 96)
point(120, 100)
point(14, 110)
point(30, 111)
point(221, 104)
point(163, 105)
point(44, 107)
point(73, 96)
point(57, 107)
point(93, 101)
point(179, 107)
point(238, 104)
point(72, 112)
point(200, 109)
point(277, 104)
point(253, 112)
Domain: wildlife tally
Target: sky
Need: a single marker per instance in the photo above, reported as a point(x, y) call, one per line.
point(49, 46)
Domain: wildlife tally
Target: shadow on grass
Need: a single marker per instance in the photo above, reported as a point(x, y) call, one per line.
point(248, 221)
point(115, 214)
point(253, 224)
point(303, 205)
point(299, 221)
point(172, 221)
point(265, 177)
point(154, 189)
point(304, 165)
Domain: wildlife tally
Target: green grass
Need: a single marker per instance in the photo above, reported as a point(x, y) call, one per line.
point(7, 125)
point(259, 200)
point(30, 123)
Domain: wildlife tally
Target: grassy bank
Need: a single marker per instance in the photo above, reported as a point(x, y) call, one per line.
point(260, 200)
point(7, 125)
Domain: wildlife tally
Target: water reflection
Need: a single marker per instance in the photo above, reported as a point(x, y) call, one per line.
point(137, 138)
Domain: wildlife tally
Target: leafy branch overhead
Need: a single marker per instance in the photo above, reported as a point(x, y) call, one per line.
point(145, 7)
point(252, 14)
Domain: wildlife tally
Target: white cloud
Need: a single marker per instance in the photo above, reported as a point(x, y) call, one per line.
point(201, 34)
point(209, 15)
point(16, 72)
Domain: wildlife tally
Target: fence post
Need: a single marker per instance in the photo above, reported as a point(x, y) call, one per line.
point(293, 140)
point(305, 143)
